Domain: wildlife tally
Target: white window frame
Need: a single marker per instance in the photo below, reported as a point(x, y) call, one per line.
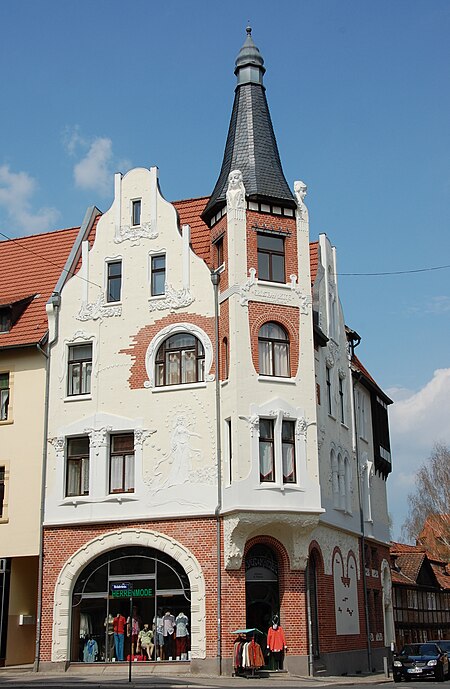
point(132, 202)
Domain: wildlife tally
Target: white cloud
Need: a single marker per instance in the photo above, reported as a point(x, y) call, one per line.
point(95, 171)
point(417, 421)
point(434, 306)
point(16, 192)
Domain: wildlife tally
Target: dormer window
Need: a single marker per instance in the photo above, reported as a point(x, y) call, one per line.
point(5, 320)
point(136, 212)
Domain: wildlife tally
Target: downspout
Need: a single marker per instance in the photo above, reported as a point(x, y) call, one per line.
point(310, 630)
point(215, 279)
point(361, 512)
point(55, 302)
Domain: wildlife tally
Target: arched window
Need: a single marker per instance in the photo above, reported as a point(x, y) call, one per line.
point(180, 359)
point(273, 348)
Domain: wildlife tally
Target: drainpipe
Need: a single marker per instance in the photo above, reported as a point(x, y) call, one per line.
point(215, 279)
point(55, 302)
point(310, 629)
point(361, 511)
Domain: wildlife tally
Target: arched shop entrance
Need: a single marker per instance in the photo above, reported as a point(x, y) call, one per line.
point(159, 584)
point(261, 588)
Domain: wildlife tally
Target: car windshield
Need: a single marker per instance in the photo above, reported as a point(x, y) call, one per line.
point(420, 650)
point(445, 645)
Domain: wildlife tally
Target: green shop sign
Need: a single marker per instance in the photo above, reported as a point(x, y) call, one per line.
point(128, 590)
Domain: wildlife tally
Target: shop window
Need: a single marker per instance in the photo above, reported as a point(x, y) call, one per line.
point(271, 258)
point(136, 212)
point(158, 275)
point(273, 351)
point(114, 280)
point(79, 369)
point(4, 396)
point(121, 463)
point(180, 359)
point(77, 481)
point(266, 451)
point(160, 588)
point(288, 448)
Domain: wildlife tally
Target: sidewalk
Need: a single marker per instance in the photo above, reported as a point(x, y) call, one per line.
point(117, 678)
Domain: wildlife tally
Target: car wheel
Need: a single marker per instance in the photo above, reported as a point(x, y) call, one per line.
point(397, 678)
point(439, 674)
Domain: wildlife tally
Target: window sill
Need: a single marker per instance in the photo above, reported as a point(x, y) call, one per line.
point(224, 382)
point(330, 416)
point(285, 487)
point(76, 500)
point(269, 283)
point(156, 297)
point(183, 386)
point(4, 520)
point(277, 379)
point(361, 437)
point(77, 398)
point(344, 425)
point(112, 303)
point(6, 422)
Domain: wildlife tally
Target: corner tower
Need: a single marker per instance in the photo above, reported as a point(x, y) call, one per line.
point(251, 146)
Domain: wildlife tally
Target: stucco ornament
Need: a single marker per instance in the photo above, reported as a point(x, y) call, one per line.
point(301, 428)
point(305, 300)
point(300, 190)
point(253, 422)
point(183, 457)
point(135, 234)
point(59, 444)
point(75, 564)
point(244, 290)
point(236, 195)
point(174, 299)
point(98, 436)
point(141, 435)
point(292, 530)
point(98, 310)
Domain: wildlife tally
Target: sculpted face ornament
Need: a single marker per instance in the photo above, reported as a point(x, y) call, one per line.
point(300, 190)
point(235, 191)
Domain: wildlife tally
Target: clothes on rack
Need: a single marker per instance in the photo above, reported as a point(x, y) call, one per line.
point(247, 655)
point(90, 651)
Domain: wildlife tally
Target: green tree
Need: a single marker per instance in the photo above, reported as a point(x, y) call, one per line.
point(428, 520)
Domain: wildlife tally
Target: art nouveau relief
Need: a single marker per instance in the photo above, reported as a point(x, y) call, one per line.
point(173, 299)
point(189, 455)
point(94, 311)
point(253, 290)
point(135, 234)
point(345, 594)
point(300, 190)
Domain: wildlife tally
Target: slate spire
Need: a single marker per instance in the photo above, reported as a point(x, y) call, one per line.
point(251, 145)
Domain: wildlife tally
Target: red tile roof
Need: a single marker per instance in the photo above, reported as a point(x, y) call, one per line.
point(31, 266)
point(189, 211)
point(358, 366)
point(314, 260)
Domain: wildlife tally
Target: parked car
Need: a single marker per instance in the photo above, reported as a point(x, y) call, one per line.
point(421, 660)
point(445, 645)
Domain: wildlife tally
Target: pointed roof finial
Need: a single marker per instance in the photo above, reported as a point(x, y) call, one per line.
point(249, 57)
point(249, 28)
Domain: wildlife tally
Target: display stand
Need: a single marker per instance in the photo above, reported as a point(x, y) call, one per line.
point(248, 657)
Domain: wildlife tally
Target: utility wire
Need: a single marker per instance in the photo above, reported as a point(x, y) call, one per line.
point(44, 258)
point(398, 272)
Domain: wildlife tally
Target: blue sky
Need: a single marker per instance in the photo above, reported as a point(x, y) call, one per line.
point(360, 100)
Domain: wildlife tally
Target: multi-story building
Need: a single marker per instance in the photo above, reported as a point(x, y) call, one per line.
point(202, 446)
point(27, 278)
point(421, 594)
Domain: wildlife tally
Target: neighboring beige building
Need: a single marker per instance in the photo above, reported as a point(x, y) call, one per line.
point(27, 280)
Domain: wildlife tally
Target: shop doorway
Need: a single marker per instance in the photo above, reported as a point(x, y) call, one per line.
point(160, 588)
point(261, 589)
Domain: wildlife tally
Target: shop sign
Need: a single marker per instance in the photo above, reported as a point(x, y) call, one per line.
point(129, 590)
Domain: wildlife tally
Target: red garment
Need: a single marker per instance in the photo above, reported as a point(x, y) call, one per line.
point(276, 640)
point(119, 624)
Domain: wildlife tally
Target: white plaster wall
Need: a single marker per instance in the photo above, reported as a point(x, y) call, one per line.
point(21, 444)
point(246, 396)
point(172, 476)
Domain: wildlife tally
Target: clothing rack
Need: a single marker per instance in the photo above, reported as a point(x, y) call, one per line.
point(248, 657)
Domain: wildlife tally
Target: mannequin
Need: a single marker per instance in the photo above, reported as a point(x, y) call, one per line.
point(181, 640)
point(119, 623)
point(276, 642)
point(109, 625)
point(133, 629)
point(168, 629)
point(159, 634)
point(145, 641)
